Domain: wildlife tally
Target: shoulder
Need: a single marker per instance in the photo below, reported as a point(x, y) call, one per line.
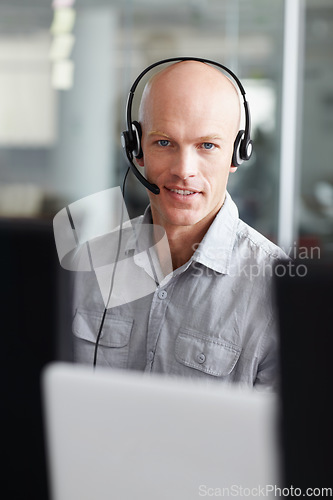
point(256, 245)
point(254, 256)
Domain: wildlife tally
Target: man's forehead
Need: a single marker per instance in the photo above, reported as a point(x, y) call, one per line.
point(189, 90)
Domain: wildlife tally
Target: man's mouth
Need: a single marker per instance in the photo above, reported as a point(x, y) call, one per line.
point(183, 192)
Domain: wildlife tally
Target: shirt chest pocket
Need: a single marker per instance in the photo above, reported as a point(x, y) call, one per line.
point(215, 357)
point(113, 344)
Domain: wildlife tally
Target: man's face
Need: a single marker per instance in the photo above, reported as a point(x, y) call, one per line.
point(187, 145)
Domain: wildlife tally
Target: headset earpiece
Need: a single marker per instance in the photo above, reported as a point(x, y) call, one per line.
point(242, 149)
point(245, 149)
point(237, 160)
point(137, 130)
point(131, 142)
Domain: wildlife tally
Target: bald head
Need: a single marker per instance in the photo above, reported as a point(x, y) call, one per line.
point(192, 89)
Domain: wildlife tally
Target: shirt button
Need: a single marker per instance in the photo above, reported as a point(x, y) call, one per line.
point(150, 356)
point(201, 358)
point(162, 294)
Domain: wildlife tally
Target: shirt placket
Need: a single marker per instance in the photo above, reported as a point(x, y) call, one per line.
point(159, 306)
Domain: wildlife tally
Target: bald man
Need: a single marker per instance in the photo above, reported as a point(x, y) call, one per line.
point(208, 311)
point(190, 117)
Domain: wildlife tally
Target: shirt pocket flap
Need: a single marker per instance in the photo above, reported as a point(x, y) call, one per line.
point(116, 332)
point(215, 357)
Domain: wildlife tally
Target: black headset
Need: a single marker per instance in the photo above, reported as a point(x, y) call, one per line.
point(131, 138)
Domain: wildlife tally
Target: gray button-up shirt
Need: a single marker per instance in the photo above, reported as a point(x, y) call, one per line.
point(213, 317)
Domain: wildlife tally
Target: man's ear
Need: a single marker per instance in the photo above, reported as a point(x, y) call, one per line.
point(140, 161)
point(232, 169)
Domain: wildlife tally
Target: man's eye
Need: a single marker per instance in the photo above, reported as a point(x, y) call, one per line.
point(163, 142)
point(208, 145)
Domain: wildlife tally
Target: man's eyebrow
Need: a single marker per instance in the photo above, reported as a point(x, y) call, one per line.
point(158, 132)
point(205, 138)
point(208, 138)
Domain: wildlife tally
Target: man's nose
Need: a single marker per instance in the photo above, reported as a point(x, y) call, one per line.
point(184, 164)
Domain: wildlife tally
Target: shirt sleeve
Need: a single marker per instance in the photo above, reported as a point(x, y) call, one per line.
point(268, 367)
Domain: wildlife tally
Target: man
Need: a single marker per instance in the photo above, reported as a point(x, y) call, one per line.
point(211, 315)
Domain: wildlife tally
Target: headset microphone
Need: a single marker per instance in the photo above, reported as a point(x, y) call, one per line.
point(131, 138)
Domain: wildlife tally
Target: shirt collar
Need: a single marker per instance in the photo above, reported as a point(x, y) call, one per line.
point(133, 242)
point(141, 246)
point(216, 247)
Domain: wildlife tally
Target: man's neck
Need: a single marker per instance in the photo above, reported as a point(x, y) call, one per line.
point(183, 241)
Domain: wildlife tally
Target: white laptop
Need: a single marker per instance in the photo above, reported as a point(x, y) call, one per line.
point(119, 435)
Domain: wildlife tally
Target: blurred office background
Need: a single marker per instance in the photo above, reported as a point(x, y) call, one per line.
point(66, 68)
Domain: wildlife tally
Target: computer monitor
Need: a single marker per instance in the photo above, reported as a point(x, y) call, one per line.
point(123, 435)
point(35, 310)
point(304, 291)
